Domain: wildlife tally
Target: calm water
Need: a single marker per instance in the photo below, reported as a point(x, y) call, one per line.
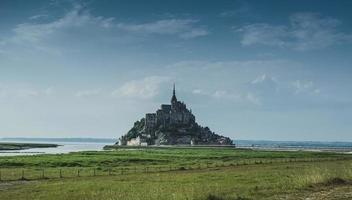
point(66, 147)
point(345, 147)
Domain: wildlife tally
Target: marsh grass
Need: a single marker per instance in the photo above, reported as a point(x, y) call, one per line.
point(173, 174)
point(322, 174)
point(227, 183)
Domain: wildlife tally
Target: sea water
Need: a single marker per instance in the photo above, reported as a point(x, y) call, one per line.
point(89, 145)
point(65, 147)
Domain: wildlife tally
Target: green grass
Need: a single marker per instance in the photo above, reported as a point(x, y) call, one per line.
point(241, 182)
point(153, 157)
point(201, 173)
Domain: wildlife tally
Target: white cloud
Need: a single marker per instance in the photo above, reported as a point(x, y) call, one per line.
point(36, 35)
point(263, 78)
point(27, 93)
point(264, 34)
point(49, 91)
point(264, 85)
point(76, 18)
point(302, 86)
point(184, 28)
point(88, 93)
point(220, 94)
point(306, 31)
point(146, 88)
point(224, 94)
point(253, 99)
point(196, 32)
point(199, 92)
point(45, 36)
point(35, 17)
point(6, 91)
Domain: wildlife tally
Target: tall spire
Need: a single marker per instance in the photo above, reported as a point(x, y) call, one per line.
point(173, 99)
point(174, 91)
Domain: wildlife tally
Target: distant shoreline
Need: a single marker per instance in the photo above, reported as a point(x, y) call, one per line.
point(83, 140)
point(110, 147)
point(308, 149)
point(266, 145)
point(9, 146)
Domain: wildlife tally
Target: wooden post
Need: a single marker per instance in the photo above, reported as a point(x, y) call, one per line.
point(60, 173)
point(78, 171)
point(43, 175)
point(94, 172)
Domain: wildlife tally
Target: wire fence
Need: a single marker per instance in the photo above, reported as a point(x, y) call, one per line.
point(16, 174)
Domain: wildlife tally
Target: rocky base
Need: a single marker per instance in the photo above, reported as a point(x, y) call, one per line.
point(189, 134)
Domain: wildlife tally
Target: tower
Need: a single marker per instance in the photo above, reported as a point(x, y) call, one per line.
point(173, 99)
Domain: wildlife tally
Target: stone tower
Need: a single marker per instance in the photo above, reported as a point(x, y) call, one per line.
point(173, 98)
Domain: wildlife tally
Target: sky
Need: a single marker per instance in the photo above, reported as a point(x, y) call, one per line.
point(263, 70)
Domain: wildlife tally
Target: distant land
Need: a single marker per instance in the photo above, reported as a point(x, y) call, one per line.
point(239, 143)
point(22, 146)
point(81, 140)
point(272, 143)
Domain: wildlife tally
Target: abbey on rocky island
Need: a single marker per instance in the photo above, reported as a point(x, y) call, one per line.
point(176, 114)
point(171, 125)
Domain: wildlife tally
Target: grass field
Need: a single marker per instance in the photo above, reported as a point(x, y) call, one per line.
point(209, 173)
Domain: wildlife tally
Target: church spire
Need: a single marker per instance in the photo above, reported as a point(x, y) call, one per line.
point(174, 91)
point(173, 99)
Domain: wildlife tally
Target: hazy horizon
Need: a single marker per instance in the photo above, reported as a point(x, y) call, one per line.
point(251, 70)
point(115, 139)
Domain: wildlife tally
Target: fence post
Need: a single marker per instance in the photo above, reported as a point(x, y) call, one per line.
point(94, 172)
point(43, 175)
point(78, 171)
point(60, 173)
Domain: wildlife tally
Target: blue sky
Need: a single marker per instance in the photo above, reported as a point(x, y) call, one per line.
point(274, 70)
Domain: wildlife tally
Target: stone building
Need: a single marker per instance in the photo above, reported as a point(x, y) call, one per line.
point(172, 124)
point(174, 114)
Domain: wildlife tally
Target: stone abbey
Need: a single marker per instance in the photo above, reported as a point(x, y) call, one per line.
point(172, 124)
point(176, 113)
